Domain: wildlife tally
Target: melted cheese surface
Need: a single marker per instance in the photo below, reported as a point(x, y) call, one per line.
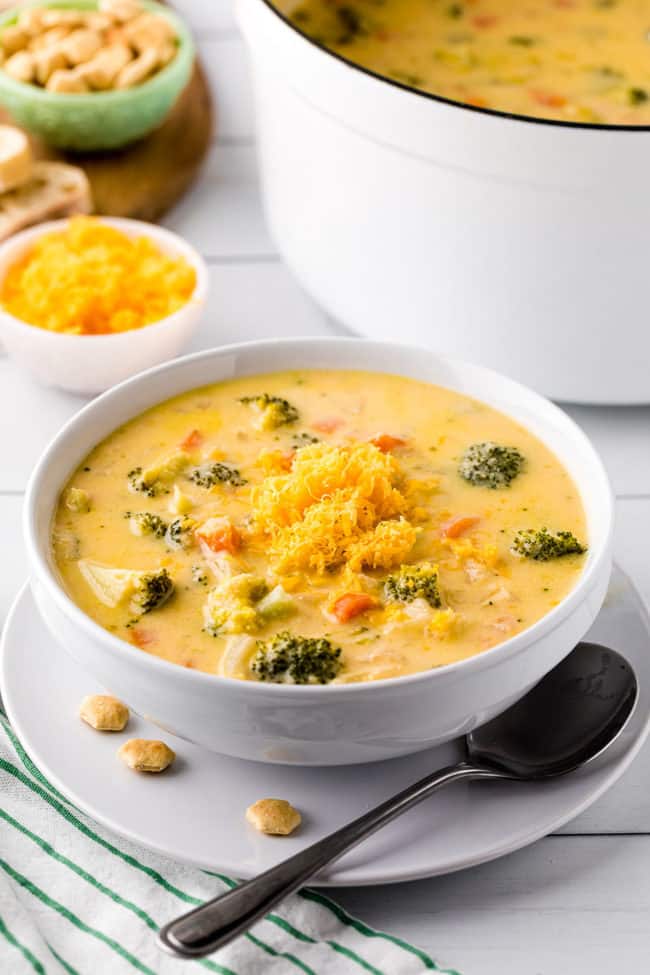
point(573, 60)
point(322, 519)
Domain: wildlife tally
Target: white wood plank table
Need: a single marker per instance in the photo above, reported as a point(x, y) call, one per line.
point(576, 903)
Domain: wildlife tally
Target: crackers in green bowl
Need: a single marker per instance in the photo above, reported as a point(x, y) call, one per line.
point(96, 120)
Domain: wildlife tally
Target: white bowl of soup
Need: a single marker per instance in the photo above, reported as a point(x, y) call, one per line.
point(319, 551)
point(473, 176)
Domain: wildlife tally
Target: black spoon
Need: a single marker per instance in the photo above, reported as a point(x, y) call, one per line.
point(566, 720)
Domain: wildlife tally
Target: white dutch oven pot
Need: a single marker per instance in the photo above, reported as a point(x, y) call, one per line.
point(516, 243)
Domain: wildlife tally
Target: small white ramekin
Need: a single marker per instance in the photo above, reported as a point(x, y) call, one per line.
point(308, 725)
point(92, 363)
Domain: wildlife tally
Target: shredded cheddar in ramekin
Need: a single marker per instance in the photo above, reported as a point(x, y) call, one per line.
point(92, 279)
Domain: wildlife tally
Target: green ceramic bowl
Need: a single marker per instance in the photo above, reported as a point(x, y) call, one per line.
point(103, 119)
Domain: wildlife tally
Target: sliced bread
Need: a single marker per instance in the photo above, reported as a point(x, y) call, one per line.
point(15, 158)
point(54, 189)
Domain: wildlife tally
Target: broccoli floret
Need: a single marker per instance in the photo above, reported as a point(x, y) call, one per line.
point(154, 480)
point(180, 532)
point(151, 590)
point(145, 590)
point(230, 606)
point(145, 523)
point(414, 582)
point(490, 464)
point(139, 485)
point(542, 545)
point(208, 475)
point(290, 659)
point(273, 411)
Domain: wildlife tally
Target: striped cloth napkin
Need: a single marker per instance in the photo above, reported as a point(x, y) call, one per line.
point(76, 899)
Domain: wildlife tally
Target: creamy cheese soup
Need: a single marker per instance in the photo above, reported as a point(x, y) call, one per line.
point(576, 60)
point(319, 526)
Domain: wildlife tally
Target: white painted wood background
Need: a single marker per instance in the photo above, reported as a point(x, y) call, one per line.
point(577, 903)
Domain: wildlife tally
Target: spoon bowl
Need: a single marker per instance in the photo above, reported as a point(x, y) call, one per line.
point(571, 716)
point(565, 721)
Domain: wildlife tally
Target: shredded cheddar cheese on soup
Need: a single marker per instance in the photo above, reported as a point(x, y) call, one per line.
point(337, 506)
point(92, 279)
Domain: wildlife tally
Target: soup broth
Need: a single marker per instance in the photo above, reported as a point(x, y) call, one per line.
point(382, 525)
point(573, 60)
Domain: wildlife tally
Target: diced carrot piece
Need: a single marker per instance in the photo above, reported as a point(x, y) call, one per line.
point(477, 101)
point(548, 98)
point(485, 20)
point(142, 638)
point(352, 604)
point(192, 440)
point(456, 526)
point(328, 424)
point(285, 460)
point(386, 442)
point(224, 538)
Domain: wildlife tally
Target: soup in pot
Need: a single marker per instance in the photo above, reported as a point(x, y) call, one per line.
point(317, 527)
point(573, 60)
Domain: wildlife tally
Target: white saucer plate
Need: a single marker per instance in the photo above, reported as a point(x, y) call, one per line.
point(195, 811)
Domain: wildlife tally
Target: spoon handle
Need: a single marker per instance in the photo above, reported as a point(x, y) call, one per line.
point(220, 920)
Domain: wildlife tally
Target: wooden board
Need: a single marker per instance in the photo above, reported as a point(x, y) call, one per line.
point(145, 179)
